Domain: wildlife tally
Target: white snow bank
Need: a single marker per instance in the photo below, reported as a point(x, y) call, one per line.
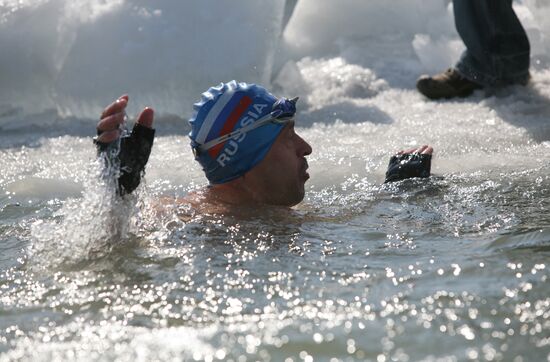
point(75, 56)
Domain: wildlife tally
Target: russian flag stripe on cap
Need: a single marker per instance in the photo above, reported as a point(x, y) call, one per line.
point(231, 121)
point(213, 115)
point(221, 120)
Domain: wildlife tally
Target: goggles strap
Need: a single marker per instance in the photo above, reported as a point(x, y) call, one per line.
point(262, 121)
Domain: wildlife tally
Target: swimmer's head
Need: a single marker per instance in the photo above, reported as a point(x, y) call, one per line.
point(234, 127)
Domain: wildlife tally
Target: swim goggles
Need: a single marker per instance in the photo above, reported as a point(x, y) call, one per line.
point(282, 113)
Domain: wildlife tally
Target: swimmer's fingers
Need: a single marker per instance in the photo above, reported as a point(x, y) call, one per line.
point(117, 106)
point(407, 151)
point(108, 136)
point(111, 118)
point(427, 151)
point(146, 117)
point(421, 149)
point(110, 123)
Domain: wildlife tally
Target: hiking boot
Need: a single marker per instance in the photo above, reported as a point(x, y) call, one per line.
point(448, 84)
point(524, 82)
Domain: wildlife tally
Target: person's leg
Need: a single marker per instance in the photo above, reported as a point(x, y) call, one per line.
point(497, 47)
point(497, 51)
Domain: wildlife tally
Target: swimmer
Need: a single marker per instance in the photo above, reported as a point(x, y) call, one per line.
point(244, 139)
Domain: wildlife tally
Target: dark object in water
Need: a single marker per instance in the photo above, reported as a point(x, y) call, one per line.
point(408, 165)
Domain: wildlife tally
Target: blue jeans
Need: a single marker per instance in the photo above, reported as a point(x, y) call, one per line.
point(497, 47)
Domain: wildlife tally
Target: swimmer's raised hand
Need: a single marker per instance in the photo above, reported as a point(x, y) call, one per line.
point(109, 125)
point(132, 151)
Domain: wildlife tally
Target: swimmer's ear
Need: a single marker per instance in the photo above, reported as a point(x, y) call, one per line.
point(404, 166)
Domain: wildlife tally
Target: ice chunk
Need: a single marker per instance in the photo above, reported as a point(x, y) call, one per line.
point(329, 81)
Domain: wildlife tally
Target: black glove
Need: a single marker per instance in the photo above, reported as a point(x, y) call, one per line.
point(132, 156)
point(408, 165)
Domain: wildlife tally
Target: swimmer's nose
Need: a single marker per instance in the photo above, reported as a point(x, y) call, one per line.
point(305, 148)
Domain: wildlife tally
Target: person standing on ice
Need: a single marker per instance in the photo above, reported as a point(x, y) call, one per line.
point(244, 139)
point(496, 55)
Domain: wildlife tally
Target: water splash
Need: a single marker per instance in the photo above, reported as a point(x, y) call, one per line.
point(90, 226)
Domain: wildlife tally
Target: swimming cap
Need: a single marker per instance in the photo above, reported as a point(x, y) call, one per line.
point(227, 108)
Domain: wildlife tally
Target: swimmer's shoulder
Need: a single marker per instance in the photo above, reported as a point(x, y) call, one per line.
point(195, 203)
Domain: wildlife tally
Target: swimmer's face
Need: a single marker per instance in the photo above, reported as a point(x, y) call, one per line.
point(280, 177)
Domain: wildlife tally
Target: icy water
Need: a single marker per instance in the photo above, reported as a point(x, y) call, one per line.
point(454, 268)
